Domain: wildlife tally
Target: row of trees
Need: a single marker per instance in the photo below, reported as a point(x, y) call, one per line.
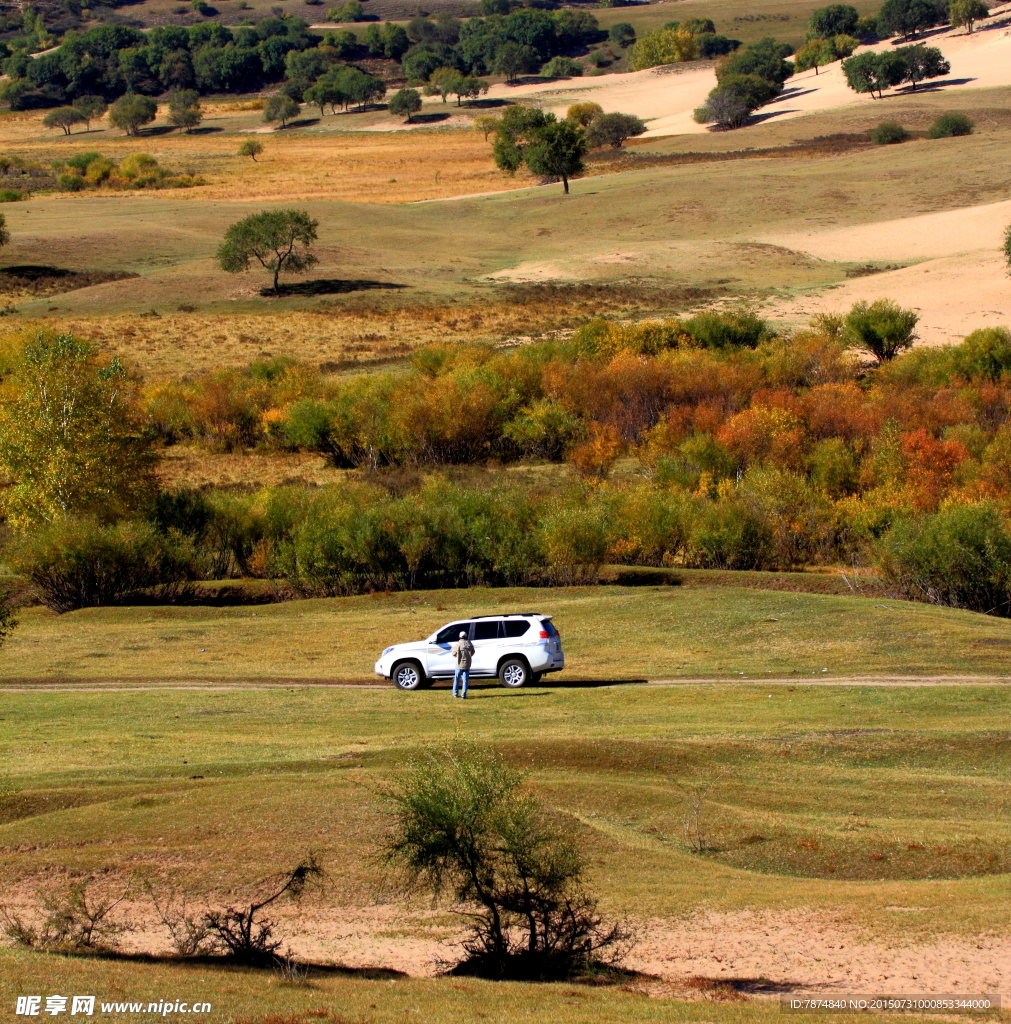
point(757, 452)
point(874, 72)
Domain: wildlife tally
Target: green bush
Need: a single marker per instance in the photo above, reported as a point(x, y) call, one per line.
point(70, 183)
point(950, 125)
point(984, 353)
point(888, 133)
point(729, 535)
point(960, 557)
point(78, 563)
point(733, 329)
point(562, 67)
point(12, 195)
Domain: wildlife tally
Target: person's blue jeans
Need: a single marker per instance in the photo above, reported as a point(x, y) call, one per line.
point(461, 674)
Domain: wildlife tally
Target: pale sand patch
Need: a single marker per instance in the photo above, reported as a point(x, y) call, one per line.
point(954, 296)
point(905, 239)
point(820, 950)
point(959, 281)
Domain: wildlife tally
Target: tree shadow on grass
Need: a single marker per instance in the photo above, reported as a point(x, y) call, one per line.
point(938, 86)
point(430, 118)
point(161, 129)
point(488, 104)
point(208, 130)
point(302, 122)
point(328, 286)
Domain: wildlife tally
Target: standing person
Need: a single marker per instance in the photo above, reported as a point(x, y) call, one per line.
point(463, 652)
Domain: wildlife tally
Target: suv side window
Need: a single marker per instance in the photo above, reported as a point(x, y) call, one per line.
point(516, 627)
point(450, 634)
point(487, 629)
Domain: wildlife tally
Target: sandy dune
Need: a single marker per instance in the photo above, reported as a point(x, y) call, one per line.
point(666, 97)
point(959, 280)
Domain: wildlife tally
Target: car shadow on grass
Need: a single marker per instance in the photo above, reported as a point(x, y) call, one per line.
point(328, 286)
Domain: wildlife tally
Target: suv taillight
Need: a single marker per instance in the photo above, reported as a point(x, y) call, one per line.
point(544, 634)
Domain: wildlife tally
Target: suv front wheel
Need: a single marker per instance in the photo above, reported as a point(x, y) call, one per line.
point(408, 676)
point(514, 673)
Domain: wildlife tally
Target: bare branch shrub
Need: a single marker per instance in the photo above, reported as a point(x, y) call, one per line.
point(74, 918)
point(696, 821)
point(189, 933)
point(236, 930)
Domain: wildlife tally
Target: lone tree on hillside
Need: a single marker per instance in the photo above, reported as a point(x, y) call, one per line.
point(184, 109)
point(907, 17)
point(465, 826)
point(967, 12)
point(280, 108)
point(583, 113)
point(406, 101)
point(1006, 249)
point(251, 147)
point(63, 117)
point(278, 240)
point(880, 327)
point(129, 112)
point(90, 108)
point(547, 146)
point(922, 62)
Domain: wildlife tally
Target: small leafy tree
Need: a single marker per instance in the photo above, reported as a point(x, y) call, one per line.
point(185, 110)
point(875, 72)
point(468, 87)
point(613, 129)
point(278, 240)
point(90, 108)
point(130, 112)
point(665, 46)
point(280, 108)
point(922, 62)
point(834, 20)
point(881, 327)
point(465, 826)
point(251, 147)
point(485, 124)
point(907, 17)
point(724, 107)
point(557, 151)
point(622, 34)
point(69, 436)
point(63, 117)
point(406, 101)
point(967, 13)
point(514, 59)
point(583, 113)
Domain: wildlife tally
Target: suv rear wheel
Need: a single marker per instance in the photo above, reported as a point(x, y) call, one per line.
point(514, 673)
point(408, 676)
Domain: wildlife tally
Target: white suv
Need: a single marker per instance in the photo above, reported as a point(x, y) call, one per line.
point(518, 649)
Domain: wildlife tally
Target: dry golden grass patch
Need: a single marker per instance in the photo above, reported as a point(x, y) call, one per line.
point(325, 160)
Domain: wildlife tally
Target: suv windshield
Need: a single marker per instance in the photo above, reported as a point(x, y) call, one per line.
point(450, 634)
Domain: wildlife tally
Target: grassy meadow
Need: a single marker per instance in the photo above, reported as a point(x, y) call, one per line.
point(655, 238)
point(846, 800)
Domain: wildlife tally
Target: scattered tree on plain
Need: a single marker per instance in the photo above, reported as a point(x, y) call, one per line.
point(63, 117)
point(464, 826)
point(513, 60)
point(923, 62)
point(881, 327)
point(278, 240)
point(131, 112)
point(583, 113)
point(250, 147)
point(91, 108)
point(967, 13)
point(486, 124)
point(185, 110)
point(547, 146)
point(613, 129)
point(405, 101)
point(906, 18)
point(280, 108)
point(816, 53)
point(622, 34)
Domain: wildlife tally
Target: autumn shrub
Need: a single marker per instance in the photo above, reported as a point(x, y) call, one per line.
point(959, 556)
point(730, 534)
point(78, 563)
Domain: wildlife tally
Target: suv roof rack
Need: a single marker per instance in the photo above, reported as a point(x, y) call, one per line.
point(506, 615)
